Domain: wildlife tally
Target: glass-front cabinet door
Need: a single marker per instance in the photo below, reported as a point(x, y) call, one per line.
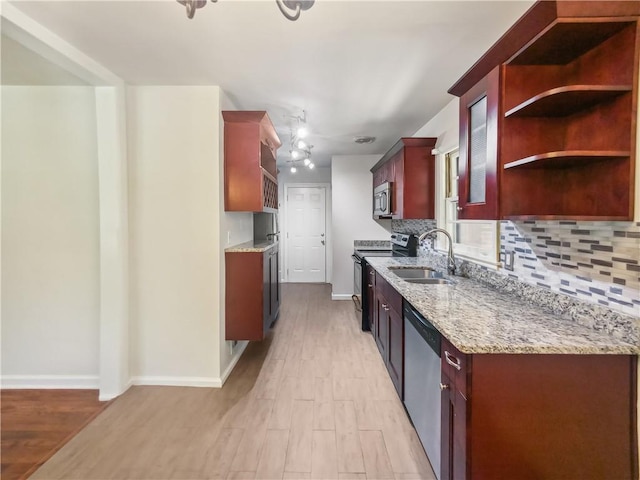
point(478, 173)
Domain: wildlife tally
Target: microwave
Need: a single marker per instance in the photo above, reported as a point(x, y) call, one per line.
point(382, 200)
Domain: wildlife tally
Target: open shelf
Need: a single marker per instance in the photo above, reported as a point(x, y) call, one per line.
point(567, 158)
point(576, 38)
point(567, 100)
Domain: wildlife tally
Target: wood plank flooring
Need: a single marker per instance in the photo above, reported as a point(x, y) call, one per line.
point(37, 423)
point(312, 401)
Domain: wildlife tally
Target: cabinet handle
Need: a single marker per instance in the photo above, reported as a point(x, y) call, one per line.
point(444, 386)
point(372, 273)
point(459, 209)
point(451, 360)
point(370, 286)
point(386, 307)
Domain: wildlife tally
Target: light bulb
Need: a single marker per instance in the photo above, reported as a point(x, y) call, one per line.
point(307, 162)
point(302, 145)
point(311, 165)
point(295, 154)
point(302, 132)
point(294, 169)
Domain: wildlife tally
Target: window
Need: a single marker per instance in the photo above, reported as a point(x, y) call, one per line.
point(475, 240)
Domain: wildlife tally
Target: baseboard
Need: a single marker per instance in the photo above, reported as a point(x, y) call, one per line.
point(59, 382)
point(178, 381)
point(241, 348)
point(341, 296)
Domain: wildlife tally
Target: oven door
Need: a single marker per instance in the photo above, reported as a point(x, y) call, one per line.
point(357, 282)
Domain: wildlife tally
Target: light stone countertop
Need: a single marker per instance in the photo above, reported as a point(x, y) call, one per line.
point(479, 319)
point(253, 246)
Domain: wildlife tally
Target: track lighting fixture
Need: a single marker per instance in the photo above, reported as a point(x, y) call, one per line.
point(291, 9)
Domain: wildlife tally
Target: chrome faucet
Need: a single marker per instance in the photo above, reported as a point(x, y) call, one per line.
point(451, 261)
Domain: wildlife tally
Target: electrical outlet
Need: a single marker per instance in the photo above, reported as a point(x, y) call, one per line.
point(508, 260)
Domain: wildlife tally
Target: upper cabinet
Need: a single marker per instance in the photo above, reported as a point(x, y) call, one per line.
point(409, 167)
point(250, 173)
point(548, 116)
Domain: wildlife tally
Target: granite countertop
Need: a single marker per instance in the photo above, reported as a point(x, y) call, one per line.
point(253, 246)
point(479, 319)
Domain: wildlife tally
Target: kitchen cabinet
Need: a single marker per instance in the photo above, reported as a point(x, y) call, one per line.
point(537, 416)
point(370, 285)
point(548, 116)
point(252, 300)
point(478, 173)
point(389, 331)
point(410, 167)
point(250, 172)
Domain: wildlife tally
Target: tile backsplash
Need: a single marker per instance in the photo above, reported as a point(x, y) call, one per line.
point(598, 262)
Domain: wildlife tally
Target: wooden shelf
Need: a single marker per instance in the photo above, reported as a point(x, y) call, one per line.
point(563, 159)
point(567, 100)
point(576, 38)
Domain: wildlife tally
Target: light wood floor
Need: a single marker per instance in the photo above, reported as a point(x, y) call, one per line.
point(314, 400)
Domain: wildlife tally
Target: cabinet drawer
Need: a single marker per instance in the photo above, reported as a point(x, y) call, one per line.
point(455, 365)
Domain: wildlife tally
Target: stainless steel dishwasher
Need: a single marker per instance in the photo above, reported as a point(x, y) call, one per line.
point(422, 381)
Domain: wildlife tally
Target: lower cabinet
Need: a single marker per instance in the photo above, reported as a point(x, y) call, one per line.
point(538, 416)
point(252, 300)
point(389, 330)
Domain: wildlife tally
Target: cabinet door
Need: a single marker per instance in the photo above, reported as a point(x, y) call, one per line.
point(480, 121)
point(395, 365)
point(454, 431)
point(274, 284)
point(266, 292)
point(370, 285)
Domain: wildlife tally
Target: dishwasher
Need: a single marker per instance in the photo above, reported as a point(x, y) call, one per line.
point(422, 381)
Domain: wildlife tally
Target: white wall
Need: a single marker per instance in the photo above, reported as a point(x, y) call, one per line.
point(173, 135)
point(50, 237)
point(351, 185)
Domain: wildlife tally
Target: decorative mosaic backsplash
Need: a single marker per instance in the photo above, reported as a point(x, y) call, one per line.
point(412, 226)
point(598, 262)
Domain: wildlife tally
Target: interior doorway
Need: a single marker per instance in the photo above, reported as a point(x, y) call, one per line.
point(305, 237)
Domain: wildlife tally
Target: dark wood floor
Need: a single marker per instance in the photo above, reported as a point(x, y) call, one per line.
point(37, 423)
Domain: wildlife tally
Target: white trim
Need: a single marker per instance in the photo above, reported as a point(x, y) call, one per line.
point(105, 397)
point(211, 382)
point(225, 375)
point(341, 296)
point(284, 227)
point(75, 382)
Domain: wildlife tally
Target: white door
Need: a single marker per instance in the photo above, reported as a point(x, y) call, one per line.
point(306, 236)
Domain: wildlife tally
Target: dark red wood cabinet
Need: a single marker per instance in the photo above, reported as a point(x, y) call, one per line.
point(250, 172)
point(558, 128)
point(410, 167)
point(538, 416)
point(389, 331)
point(252, 298)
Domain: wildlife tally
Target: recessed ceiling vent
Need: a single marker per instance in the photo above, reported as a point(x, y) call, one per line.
point(364, 139)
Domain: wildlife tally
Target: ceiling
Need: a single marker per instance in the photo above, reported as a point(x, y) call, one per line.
point(379, 68)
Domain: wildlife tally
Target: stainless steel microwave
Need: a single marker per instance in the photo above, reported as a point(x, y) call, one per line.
point(382, 200)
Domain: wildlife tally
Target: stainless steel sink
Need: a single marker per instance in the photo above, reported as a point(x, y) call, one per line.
point(416, 273)
point(423, 275)
point(430, 281)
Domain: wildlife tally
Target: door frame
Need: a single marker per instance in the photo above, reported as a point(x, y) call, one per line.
point(284, 259)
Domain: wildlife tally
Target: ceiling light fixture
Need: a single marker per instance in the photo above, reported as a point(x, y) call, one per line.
point(300, 150)
point(364, 139)
point(291, 9)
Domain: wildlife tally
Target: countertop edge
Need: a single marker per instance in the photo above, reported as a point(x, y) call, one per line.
point(251, 246)
point(606, 344)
